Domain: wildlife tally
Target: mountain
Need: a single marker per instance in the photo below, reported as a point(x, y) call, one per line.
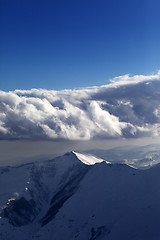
point(140, 157)
point(83, 197)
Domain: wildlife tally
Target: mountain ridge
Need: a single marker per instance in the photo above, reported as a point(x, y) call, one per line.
point(66, 199)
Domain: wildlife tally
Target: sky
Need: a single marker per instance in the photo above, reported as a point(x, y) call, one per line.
point(67, 44)
point(75, 74)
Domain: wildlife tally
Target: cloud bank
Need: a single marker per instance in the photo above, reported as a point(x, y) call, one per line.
point(127, 107)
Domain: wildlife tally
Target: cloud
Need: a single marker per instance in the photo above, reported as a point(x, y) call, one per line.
point(126, 79)
point(127, 107)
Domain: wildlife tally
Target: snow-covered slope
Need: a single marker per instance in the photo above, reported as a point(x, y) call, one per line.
point(73, 197)
point(138, 157)
point(89, 159)
point(13, 181)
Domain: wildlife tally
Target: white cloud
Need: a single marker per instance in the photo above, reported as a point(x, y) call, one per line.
point(126, 79)
point(127, 107)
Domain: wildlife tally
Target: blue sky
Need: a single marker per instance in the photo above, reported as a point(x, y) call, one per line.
point(76, 43)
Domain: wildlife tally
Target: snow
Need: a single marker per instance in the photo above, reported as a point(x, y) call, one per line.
point(122, 200)
point(88, 159)
point(12, 182)
point(137, 157)
point(79, 196)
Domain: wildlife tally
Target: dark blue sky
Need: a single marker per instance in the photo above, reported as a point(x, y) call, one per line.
point(76, 43)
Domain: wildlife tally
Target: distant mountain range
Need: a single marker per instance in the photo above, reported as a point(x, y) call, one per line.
point(95, 195)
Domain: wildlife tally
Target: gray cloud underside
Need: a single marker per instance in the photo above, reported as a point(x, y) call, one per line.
point(128, 107)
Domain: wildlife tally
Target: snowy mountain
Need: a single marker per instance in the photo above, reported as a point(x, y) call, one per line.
point(82, 196)
point(140, 157)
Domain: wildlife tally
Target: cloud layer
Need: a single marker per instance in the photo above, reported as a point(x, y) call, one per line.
point(127, 107)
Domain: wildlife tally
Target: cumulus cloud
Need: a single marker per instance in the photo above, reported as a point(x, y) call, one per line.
point(127, 107)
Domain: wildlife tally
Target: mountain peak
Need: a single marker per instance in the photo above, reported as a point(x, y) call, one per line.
point(88, 159)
